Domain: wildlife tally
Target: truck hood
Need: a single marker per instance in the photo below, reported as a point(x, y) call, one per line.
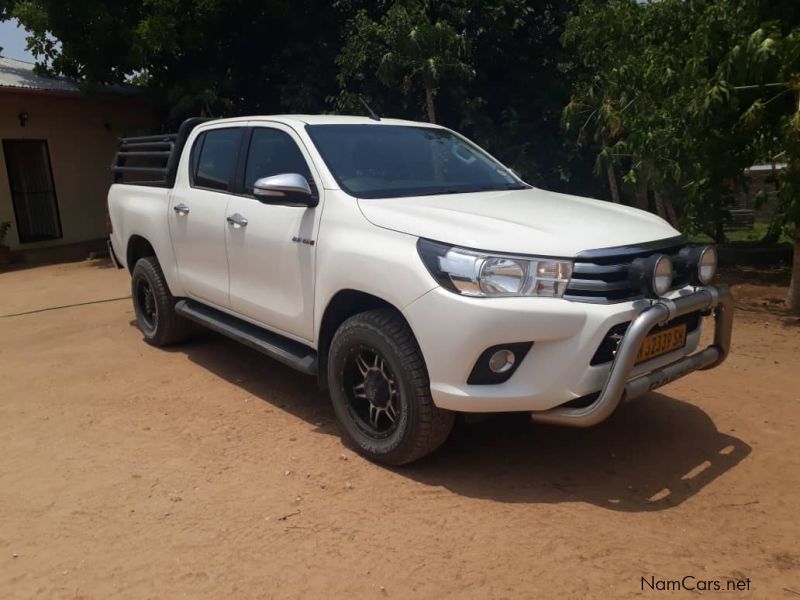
point(530, 221)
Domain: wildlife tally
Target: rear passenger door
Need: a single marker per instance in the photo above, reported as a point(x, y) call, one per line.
point(197, 214)
point(272, 258)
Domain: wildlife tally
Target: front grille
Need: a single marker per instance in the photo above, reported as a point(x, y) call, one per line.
point(601, 276)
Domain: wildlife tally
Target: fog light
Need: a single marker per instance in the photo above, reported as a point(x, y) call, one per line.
point(497, 364)
point(501, 361)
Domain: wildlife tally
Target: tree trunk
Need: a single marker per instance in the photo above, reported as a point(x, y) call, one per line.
point(672, 216)
point(660, 210)
point(665, 209)
point(778, 219)
point(642, 201)
point(429, 104)
point(773, 234)
point(794, 287)
point(612, 183)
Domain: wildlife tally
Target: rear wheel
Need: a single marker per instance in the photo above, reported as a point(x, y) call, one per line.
point(155, 306)
point(381, 392)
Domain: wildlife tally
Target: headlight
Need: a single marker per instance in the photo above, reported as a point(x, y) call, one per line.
point(479, 274)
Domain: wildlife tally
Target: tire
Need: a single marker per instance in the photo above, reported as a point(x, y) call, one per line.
point(155, 306)
point(380, 390)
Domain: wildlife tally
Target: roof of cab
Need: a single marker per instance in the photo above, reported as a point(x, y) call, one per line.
point(327, 120)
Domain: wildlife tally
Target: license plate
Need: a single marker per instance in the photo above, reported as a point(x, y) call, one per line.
point(662, 342)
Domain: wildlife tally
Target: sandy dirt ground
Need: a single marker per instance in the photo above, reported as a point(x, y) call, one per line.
point(209, 471)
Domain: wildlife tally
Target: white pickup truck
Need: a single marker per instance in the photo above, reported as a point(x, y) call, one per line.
point(409, 271)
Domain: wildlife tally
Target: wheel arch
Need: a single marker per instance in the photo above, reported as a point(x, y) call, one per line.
point(343, 305)
point(138, 247)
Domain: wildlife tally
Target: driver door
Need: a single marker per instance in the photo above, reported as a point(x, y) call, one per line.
point(271, 256)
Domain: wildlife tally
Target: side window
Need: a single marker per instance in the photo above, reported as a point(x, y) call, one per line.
point(273, 152)
point(214, 158)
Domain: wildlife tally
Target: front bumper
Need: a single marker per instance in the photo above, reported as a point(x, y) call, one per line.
point(620, 387)
point(453, 331)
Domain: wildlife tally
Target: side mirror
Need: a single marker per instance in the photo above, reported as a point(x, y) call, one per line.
point(286, 188)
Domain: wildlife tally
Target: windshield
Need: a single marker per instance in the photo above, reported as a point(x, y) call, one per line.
point(387, 161)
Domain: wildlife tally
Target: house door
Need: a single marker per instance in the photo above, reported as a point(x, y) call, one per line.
point(32, 191)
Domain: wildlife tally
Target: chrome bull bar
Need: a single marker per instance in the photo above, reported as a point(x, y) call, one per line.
point(619, 386)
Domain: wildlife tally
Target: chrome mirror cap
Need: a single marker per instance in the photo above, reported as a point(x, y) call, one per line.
point(281, 185)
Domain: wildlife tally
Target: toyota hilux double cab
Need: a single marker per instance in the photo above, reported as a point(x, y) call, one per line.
point(410, 272)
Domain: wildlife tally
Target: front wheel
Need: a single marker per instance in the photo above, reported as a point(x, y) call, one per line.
point(381, 392)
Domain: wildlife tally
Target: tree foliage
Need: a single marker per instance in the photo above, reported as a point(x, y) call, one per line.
point(416, 48)
point(681, 96)
point(493, 68)
point(649, 98)
point(217, 57)
point(666, 102)
point(497, 70)
point(523, 78)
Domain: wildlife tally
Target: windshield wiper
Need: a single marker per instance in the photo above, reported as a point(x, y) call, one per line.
point(510, 186)
point(461, 190)
point(450, 191)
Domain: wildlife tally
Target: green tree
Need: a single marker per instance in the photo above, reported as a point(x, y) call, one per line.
point(763, 71)
point(643, 95)
point(505, 80)
point(523, 78)
point(604, 93)
point(492, 68)
point(217, 57)
point(416, 47)
point(682, 96)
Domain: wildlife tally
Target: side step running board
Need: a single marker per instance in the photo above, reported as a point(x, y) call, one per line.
point(289, 352)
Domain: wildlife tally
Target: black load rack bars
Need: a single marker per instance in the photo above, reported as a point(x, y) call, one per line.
point(138, 158)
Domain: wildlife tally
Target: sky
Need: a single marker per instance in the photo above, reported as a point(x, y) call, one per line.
point(12, 40)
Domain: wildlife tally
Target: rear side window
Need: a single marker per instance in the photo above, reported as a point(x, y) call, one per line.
point(214, 158)
point(273, 152)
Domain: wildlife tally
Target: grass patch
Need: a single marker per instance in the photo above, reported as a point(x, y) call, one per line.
point(758, 231)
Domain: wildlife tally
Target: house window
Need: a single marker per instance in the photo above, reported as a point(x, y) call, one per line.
point(33, 193)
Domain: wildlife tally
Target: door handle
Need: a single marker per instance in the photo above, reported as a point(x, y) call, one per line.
point(237, 220)
point(181, 209)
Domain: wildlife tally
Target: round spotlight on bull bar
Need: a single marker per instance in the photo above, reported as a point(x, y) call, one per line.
point(699, 263)
point(706, 265)
point(652, 275)
point(661, 279)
